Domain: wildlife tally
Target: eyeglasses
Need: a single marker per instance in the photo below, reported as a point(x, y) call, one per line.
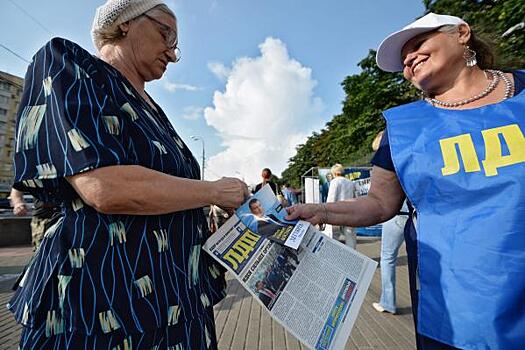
point(169, 35)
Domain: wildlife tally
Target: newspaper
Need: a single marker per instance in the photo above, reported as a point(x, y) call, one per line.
point(314, 291)
point(263, 214)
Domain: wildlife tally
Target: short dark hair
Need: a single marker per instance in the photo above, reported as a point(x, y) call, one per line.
point(267, 171)
point(252, 201)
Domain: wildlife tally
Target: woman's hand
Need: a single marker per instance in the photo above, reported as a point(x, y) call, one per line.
point(383, 201)
point(17, 202)
point(313, 213)
point(20, 209)
point(231, 193)
point(137, 190)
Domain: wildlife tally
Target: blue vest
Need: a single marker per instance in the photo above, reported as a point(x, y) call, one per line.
point(464, 171)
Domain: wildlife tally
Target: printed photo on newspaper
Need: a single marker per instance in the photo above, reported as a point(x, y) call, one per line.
point(315, 291)
point(263, 214)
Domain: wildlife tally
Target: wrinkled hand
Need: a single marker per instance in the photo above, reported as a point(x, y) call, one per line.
point(20, 210)
point(231, 193)
point(313, 213)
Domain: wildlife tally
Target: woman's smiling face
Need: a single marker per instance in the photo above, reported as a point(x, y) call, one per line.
point(428, 58)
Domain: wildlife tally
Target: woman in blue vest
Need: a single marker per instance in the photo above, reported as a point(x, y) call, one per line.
point(458, 155)
point(121, 266)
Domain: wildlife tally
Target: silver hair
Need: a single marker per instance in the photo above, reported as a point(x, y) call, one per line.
point(483, 50)
point(448, 29)
point(337, 170)
point(113, 32)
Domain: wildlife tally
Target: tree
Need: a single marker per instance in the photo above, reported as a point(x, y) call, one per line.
point(348, 136)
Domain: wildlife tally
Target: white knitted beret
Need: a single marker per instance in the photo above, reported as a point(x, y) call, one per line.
point(115, 12)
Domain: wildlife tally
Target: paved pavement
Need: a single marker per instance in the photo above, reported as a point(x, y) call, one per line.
point(12, 262)
point(242, 324)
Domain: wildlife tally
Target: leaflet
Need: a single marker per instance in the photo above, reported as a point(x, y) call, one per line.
point(263, 214)
point(315, 291)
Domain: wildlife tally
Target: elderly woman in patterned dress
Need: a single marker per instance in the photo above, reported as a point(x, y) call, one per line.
point(121, 266)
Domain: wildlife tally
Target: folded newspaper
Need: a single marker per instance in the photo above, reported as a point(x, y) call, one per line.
point(311, 284)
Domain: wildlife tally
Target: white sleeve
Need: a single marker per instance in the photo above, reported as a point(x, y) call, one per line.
point(332, 192)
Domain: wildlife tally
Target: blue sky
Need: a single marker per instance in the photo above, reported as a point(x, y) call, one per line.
point(256, 77)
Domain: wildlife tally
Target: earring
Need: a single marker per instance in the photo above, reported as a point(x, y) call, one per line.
point(123, 33)
point(470, 56)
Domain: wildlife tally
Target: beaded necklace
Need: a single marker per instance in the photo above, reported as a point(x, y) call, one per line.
point(496, 76)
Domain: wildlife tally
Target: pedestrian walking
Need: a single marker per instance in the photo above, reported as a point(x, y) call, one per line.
point(42, 215)
point(341, 189)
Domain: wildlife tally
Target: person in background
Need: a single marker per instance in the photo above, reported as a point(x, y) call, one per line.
point(42, 215)
point(123, 267)
point(458, 155)
point(289, 194)
point(341, 189)
point(216, 218)
point(391, 240)
point(16, 198)
point(266, 175)
point(324, 185)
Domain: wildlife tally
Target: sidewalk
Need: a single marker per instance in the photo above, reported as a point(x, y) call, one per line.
point(242, 324)
point(12, 262)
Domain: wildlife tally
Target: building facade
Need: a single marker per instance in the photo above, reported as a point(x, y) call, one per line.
point(10, 94)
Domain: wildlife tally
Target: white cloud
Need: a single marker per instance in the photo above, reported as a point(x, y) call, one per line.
point(268, 101)
point(219, 70)
point(172, 87)
point(192, 112)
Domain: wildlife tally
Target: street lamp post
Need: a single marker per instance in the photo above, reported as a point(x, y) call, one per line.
point(195, 138)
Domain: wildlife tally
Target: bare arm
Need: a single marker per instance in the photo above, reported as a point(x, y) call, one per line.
point(382, 203)
point(136, 190)
point(17, 202)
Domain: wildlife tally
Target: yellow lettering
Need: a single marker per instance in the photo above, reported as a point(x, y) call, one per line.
point(241, 250)
point(493, 156)
point(250, 238)
point(233, 258)
point(354, 175)
point(450, 155)
point(283, 233)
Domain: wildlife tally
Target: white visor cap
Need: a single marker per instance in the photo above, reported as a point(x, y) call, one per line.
point(388, 56)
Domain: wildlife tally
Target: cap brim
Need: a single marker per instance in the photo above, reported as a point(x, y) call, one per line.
point(388, 56)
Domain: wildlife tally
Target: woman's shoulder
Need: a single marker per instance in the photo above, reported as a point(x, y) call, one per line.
point(405, 107)
point(63, 47)
point(338, 180)
point(59, 53)
point(66, 61)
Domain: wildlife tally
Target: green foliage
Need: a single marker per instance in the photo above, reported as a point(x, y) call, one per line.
point(348, 136)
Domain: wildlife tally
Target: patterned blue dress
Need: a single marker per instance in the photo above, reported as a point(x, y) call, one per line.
point(106, 281)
